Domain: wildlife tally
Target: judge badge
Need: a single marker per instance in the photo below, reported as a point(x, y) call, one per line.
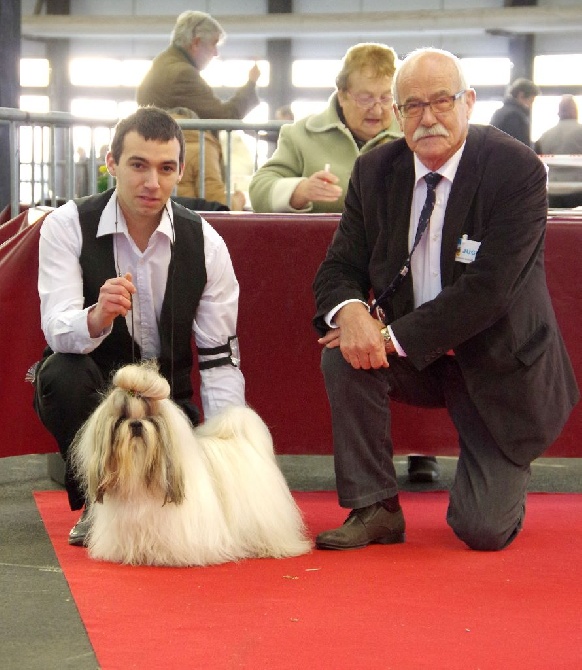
point(466, 249)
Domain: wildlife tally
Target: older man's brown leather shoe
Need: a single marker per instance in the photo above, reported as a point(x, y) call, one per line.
point(367, 525)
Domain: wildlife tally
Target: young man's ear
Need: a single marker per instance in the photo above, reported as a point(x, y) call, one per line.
point(110, 163)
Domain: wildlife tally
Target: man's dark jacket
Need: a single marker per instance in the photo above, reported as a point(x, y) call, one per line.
point(495, 313)
point(514, 119)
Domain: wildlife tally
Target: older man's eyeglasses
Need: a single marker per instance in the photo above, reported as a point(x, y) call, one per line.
point(440, 105)
point(366, 101)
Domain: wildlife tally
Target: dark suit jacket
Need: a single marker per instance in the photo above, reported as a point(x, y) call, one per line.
point(495, 313)
point(514, 119)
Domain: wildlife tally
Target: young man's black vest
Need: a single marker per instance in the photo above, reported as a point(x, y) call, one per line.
point(184, 287)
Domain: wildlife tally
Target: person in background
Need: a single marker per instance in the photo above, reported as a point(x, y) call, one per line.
point(241, 147)
point(310, 168)
point(446, 227)
point(108, 297)
point(174, 79)
point(514, 116)
point(81, 173)
point(564, 139)
point(283, 113)
point(189, 185)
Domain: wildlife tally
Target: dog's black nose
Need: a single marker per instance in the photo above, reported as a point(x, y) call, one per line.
point(136, 428)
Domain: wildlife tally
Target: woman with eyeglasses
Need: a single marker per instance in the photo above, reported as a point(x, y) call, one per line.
point(311, 166)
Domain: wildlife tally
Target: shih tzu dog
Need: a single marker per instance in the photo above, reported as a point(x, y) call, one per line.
point(164, 493)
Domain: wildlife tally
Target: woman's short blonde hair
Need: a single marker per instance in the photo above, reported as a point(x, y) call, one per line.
point(378, 58)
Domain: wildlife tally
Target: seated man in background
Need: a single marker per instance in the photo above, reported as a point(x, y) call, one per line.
point(311, 166)
point(447, 228)
point(189, 185)
point(129, 275)
point(564, 139)
point(514, 116)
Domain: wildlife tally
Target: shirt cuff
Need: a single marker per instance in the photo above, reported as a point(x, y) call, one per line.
point(399, 350)
point(328, 318)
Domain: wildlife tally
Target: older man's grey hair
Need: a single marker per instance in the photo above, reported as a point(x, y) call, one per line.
point(192, 24)
point(417, 53)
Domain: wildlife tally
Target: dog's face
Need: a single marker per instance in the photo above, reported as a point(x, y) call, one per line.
point(133, 450)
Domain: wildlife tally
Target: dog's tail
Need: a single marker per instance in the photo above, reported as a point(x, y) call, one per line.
point(258, 506)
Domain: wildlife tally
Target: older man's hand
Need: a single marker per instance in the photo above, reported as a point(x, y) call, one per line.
point(358, 337)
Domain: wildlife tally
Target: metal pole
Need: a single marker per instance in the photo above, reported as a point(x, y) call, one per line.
point(14, 168)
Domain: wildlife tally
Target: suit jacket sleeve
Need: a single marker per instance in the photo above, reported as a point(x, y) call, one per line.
point(196, 94)
point(345, 272)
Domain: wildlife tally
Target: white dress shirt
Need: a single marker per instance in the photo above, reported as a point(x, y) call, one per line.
point(425, 263)
point(60, 286)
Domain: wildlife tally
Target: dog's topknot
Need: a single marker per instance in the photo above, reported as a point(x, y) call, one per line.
point(142, 380)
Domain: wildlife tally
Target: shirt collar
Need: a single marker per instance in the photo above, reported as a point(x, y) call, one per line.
point(112, 220)
point(448, 170)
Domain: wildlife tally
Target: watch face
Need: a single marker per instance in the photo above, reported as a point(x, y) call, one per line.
point(234, 351)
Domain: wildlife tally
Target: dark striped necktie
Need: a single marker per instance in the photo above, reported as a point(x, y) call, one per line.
point(432, 179)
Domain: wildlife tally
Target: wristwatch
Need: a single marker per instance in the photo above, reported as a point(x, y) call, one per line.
point(386, 335)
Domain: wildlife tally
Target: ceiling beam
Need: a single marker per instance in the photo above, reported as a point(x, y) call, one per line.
point(418, 23)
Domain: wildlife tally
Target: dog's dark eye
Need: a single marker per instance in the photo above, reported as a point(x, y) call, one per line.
point(115, 428)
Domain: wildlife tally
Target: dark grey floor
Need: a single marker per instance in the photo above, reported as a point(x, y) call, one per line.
point(40, 628)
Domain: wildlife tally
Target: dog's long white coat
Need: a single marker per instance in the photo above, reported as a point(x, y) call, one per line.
point(237, 503)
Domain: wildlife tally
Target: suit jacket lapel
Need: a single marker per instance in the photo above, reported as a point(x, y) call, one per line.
point(458, 206)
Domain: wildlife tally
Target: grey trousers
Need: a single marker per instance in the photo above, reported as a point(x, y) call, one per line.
point(487, 499)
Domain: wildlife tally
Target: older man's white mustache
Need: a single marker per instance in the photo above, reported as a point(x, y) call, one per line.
point(433, 131)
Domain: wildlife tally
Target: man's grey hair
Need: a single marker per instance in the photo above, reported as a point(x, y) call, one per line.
point(192, 24)
point(417, 53)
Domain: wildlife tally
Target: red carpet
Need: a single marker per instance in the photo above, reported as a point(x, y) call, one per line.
point(429, 603)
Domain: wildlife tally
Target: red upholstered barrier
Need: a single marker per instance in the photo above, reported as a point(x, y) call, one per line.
point(21, 343)
point(10, 227)
point(5, 214)
point(275, 258)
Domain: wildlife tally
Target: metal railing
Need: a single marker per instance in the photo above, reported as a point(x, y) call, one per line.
point(47, 172)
